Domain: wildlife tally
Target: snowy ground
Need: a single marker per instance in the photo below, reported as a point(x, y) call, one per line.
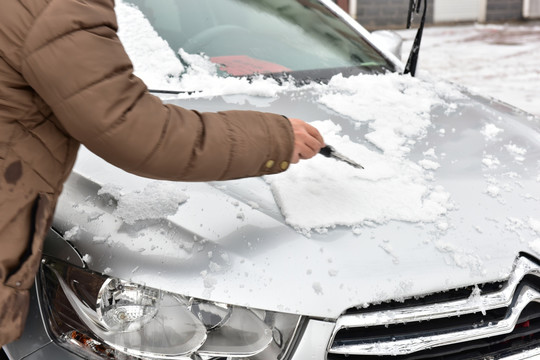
point(502, 61)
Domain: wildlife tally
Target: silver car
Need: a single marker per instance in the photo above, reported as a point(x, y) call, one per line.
point(432, 251)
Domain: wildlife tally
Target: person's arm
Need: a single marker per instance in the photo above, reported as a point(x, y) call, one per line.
point(76, 63)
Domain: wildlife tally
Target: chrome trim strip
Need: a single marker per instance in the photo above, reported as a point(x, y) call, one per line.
point(474, 304)
point(524, 355)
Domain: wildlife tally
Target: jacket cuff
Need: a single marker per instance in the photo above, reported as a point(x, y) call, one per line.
point(281, 144)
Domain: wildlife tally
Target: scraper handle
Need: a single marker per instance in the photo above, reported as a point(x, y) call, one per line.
point(326, 151)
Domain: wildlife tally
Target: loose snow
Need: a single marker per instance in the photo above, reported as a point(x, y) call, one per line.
point(491, 131)
point(397, 112)
point(491, 162)
point(71, 233)
point(516, 151)
point(201, 75)
point(334, 193)
point(157, 200)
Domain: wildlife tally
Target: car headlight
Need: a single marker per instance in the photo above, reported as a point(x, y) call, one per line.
point(102, 317)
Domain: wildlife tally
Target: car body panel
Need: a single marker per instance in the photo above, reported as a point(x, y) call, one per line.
point(208, 250)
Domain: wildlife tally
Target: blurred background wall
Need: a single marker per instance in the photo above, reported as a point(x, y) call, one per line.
point(391, 14)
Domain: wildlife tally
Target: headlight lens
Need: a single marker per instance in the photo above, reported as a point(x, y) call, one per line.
point(126, 307)
point(101, 317)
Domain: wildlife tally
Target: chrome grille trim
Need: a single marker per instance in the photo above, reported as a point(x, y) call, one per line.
point(527, 354)
point(509, 294)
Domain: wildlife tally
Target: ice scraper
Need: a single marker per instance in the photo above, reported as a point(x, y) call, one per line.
point(329, 151)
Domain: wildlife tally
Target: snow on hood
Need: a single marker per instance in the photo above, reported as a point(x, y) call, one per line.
point(391, 187)
point(323, 192)
point(397, 116)
point(156, 201)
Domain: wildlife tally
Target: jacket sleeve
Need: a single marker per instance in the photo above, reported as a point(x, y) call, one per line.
point(74, 60)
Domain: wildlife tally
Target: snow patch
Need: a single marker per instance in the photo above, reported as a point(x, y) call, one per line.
point(493, 190)
point(334, 193)
point(397, 112)
point(153, 59)
point(535, 225)
point(491, 162)
point(71, 233)
point(157, 200)
point(461, 257)
point(430, 153)
point(491, 131)
point(429, 164)
point(113, 190)
point(535, 245)
point(516, 151)
point(476, 300)
point(202, 75)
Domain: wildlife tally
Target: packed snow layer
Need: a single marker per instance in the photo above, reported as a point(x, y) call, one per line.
point(324, 192)
point(397, 114)
point(391, 187)
point(153, 59)
point(157, 200)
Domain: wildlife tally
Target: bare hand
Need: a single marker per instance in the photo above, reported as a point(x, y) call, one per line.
point(307, 140)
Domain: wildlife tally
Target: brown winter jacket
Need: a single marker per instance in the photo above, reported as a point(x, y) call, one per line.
point(64, 80)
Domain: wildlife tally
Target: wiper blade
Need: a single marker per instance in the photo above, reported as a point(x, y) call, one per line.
point(414, 5)
point(174, 92)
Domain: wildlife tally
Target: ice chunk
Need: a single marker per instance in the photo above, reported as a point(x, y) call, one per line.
point(157, 200)
point(491, 131)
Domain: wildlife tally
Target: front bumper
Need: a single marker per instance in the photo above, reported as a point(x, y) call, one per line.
point(491, 321)
point(36, 344)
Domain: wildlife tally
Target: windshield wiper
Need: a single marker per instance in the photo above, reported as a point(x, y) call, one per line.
point(174, 92)
point(414, 6)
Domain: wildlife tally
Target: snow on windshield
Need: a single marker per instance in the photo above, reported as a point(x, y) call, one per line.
point(161, 69)
point(322, 192)
point(153, 59)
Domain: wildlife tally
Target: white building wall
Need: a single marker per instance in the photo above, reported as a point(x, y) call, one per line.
point(531, 8)
point(459, 10)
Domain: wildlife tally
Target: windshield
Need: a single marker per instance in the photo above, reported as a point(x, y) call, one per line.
point(245, 37)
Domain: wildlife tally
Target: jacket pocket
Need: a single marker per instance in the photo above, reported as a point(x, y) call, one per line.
point(23, 277)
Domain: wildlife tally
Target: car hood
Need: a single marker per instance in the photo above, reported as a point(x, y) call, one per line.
point(230, 242)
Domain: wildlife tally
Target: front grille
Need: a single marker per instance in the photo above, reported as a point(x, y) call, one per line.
point(490, 323)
